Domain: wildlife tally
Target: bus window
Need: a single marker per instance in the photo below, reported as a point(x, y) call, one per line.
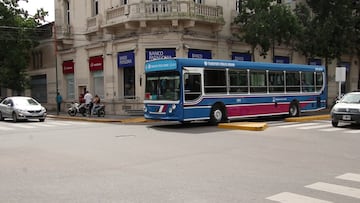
point(307, 81)
point(192, 86)
point(319, 81)
point(238, 81)
point(292, 81)
point(276, 82)
point(215, 81)
point(258, 81)
point(163, 86)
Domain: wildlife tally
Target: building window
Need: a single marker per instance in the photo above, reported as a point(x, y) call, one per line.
point(95, 7)
point(70, 86)
point(123, 2)
point(199, 1)
point(37, 57)
point(129, 83)
point(67, 14)
point(238, 5)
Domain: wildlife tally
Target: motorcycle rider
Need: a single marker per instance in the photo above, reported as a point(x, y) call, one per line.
point(95, 104)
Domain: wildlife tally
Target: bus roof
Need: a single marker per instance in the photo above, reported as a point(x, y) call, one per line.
point(175, 63)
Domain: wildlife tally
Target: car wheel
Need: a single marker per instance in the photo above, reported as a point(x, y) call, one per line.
point(42, 119)
point(334, 123)
point(1, 117)
point(14, 117)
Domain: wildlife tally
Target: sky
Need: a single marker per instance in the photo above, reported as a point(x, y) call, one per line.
point(33, 5)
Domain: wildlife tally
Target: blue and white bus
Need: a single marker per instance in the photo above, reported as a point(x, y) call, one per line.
point(186, 89)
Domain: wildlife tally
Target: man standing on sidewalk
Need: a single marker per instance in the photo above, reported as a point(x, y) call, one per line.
point(88, 100)
point(58, 102)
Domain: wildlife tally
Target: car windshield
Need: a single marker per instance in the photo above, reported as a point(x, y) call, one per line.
point(351, 98)
point(25, 102)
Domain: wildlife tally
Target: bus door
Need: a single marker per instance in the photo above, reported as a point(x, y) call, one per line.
point(192, 85)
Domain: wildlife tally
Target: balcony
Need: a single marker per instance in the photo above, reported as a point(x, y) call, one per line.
point(93, 24)
point(185, 13)
point(64, 34)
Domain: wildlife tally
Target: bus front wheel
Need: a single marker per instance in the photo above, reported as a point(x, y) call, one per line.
point(217, 114)
point(294, 110)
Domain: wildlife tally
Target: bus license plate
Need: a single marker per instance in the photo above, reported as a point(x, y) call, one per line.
point(346, 117)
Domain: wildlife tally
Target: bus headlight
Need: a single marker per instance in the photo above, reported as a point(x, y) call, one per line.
point(172, 108)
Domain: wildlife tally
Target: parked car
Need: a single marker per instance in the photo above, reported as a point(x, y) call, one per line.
point(347, 109)
point(21, 108)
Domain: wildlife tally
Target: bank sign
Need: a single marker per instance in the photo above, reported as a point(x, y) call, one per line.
point(153, 54)
point(126, 59)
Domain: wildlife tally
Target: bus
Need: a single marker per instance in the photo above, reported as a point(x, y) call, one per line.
point(188, 89)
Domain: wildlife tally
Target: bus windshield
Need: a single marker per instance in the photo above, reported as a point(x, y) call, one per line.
point(163, 86)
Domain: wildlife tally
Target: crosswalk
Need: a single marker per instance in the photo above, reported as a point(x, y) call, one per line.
point(322, 126)
point(7, 126)
point(336, 189)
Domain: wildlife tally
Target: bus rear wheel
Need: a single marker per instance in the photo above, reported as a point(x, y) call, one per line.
point(294, 110)
point(217, 114)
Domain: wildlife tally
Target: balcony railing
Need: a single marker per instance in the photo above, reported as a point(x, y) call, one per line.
point(172, 10)
point(93, 23)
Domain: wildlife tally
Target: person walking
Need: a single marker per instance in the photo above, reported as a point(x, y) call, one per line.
point(58, 102)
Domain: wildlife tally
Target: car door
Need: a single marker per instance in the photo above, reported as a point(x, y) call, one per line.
point(7, 107)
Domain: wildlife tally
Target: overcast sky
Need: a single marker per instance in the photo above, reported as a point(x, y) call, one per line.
point(33, 5)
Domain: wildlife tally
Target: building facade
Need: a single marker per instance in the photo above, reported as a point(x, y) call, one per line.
point(101, 46)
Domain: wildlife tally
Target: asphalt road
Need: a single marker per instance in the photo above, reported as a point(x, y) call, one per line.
point(77, 161)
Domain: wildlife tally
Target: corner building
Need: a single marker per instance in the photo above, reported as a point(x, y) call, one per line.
point(102, 45)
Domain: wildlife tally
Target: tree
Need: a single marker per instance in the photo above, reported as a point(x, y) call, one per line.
point(18, 36)
point(266, 25)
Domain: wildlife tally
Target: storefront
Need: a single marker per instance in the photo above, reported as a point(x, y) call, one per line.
point(68, 71)
point(126, 65)
point(96, 67)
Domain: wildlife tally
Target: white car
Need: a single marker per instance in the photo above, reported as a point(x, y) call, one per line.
point(21, 108)
point(347, 109)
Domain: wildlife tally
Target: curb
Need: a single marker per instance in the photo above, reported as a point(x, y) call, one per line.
point(109, 120)
point(308, 118)
point(251, 126)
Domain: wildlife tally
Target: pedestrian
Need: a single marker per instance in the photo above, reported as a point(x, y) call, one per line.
point(58, 101)
point(88, 101)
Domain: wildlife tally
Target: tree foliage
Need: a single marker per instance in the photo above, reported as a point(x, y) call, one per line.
point(319, 28)
point(17, 38)
point(266, 25)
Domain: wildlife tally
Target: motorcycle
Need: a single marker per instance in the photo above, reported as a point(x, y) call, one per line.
point(99, 110)
point(77, 108)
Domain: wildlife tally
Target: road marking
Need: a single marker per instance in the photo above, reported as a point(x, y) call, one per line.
point(353, 131)
point(350, 176)
point(336, 189)
point(296, 125)
point(17, 125)
point(287, 197)
point(331, 129)
point(43, 125)
point(58, 123)
point(314, 127)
